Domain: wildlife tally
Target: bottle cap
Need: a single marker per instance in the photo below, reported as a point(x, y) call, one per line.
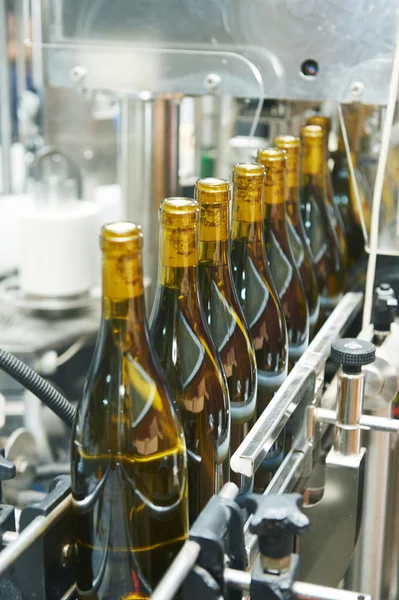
point(291, 145)
point(320, 120)
point(122, 236)
point(181, 211)
point(248, 181)
point(312, 134)
point(210, 190)
point(270, 157)
point(274, 159)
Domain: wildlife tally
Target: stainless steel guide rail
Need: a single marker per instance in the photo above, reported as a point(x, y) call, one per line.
point(299, 383)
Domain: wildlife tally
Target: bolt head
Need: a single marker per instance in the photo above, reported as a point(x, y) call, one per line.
point(212, 81)
point(357, 89)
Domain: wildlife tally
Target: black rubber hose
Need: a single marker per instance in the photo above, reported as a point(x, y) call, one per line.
point(32, 381)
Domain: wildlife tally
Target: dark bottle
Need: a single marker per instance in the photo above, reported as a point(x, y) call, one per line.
point(335, 215)
point(278, 251)
point(188, 355)
point(319, 229)
point(345, 199)
point(129, 470)
point(296, 231)
point(222, 309)
point(254, 284)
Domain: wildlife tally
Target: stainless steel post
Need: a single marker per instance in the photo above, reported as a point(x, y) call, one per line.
point(349, 409)
point(148, 167)
point(20, 60)
point(5, 103)
point(372, 555)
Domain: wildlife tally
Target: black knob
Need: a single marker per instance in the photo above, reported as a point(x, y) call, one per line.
point(352, 354)
point(385, 305)
point(276, 520)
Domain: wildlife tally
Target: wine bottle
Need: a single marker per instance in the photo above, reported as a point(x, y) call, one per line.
point(282, 264)
point(254, 284)
point(188, 355)
point(296, 231)
point(335, 215)
point(223, 311)
point(129, 466)
point(319, 229)
point(346, 200)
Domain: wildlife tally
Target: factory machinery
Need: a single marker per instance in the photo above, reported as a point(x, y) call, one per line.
point(130, 102)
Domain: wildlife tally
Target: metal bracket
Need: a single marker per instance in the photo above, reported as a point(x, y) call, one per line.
point(326, 550)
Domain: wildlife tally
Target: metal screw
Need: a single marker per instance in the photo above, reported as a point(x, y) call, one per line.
point(66, 554)
point(357, 88)
point(78, 73)
point(212, 81)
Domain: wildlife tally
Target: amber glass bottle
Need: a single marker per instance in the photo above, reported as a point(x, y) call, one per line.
point(345, 198)
point(188, 355)
point(296, 231)
point(129, 471)
point(319, 229)
point(278, 251)
point(335, 215)
point(223, 311)
point(254, 284)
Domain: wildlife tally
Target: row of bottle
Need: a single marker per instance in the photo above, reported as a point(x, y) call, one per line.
point(164, 405)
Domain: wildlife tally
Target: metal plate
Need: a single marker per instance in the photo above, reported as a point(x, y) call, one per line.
point(254, 48)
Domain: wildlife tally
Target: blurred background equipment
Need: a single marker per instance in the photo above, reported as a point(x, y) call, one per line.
point(108, 107)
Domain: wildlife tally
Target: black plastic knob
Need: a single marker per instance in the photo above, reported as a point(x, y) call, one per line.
point(385, 306)
point(276, 520)
point(352, 354)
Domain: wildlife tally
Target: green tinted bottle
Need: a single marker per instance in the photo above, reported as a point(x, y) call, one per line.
point(319, 229)
point(129, 468)
point(335, 215)
point(254, 284)
point(296, 231)
point(188, 355)
point(278, 251)
point(223, 311)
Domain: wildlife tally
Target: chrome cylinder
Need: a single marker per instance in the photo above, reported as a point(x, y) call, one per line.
point(350, 396)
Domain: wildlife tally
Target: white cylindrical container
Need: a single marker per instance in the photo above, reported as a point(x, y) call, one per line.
point(57, 249)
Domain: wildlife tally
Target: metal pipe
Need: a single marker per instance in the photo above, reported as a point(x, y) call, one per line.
point(5, 103)
point(308, 591)
point(366, 422)
point(349, 409)
point(20, 60)
point(31, 533)
point(241, 580)
point(186, 559)
point(264, 433)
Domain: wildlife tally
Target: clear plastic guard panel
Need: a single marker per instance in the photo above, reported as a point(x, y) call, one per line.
point(364, 144)
point(293, 49)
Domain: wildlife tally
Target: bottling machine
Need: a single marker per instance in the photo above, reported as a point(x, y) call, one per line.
point(136, 100)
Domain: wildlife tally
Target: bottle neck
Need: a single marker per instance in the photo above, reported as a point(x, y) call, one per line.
point(123, 295)
point(178, 258)
point(312, 171)
point(274, 197)
point(247, 219)
point(213, 234)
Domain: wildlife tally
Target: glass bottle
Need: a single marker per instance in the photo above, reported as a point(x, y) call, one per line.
point(254, 284)
point(278, 251)
point(345, 198)
point(296, 231)
point(335, 215)
point(222, 309)
point(319, 229)
point(129, 468)
point(188, 355)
